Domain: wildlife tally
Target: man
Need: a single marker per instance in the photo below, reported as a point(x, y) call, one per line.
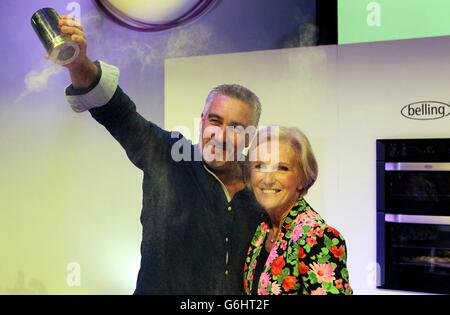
point(197, 215)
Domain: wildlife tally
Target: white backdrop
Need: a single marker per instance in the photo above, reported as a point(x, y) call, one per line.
point(343, 98)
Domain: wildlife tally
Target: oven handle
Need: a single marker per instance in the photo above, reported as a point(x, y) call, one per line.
point(416, 219)
point(391, 166)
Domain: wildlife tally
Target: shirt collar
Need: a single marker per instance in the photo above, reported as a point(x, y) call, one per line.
point(217, 178)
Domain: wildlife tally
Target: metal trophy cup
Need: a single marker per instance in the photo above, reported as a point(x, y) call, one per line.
point(60, 48)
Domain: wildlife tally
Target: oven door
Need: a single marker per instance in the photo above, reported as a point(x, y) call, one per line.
point(417, 253)
point(414, 188)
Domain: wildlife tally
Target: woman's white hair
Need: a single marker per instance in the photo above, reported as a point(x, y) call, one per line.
point(306, 161)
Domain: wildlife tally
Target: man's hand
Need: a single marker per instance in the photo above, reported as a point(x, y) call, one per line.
point(82, 71)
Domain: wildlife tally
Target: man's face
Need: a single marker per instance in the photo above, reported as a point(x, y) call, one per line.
point(221, 136)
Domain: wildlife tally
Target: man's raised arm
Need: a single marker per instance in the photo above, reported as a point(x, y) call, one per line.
point(95, 89)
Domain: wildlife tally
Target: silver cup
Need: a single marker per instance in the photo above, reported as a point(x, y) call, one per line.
point(60, 48)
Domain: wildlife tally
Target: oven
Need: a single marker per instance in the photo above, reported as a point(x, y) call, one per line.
point(413, 214)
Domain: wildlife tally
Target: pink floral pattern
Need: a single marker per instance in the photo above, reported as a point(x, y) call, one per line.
point(309, 257)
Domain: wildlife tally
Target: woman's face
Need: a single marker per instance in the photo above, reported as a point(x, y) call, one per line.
point(275, 177)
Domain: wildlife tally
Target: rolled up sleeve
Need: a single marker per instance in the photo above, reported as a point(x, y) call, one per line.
point(99, 93)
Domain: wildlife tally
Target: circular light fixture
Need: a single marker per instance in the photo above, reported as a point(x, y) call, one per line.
point(154, 15)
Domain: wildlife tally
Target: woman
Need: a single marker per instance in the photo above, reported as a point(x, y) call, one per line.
point(294, 251)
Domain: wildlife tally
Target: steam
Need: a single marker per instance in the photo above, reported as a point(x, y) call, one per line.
point(181, 42)
point(36, 81)
point(143, 53)
point(147, 49)
point(308, 61)
point(305, 35)
point(189, 41)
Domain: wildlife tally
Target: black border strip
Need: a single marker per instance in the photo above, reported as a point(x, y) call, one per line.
point(327, 22)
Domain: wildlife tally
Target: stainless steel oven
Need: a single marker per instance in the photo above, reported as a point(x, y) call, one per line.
point(413, 214)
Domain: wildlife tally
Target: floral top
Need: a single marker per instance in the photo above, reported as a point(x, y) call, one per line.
point(308, 257)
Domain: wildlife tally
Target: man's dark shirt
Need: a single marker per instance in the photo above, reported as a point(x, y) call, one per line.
point(194, 241)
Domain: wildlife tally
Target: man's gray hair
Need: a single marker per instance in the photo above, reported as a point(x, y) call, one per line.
point(238, 92)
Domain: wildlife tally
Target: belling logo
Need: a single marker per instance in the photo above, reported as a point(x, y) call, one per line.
point(426, 110)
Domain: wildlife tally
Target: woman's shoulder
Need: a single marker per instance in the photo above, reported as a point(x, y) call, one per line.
point(305, 215)
point(309, 219)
